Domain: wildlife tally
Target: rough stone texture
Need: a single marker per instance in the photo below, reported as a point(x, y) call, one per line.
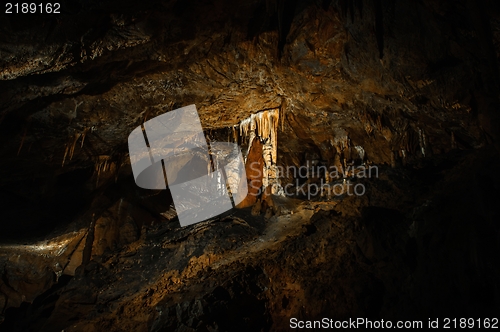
point(403, 252)
point(412, 85)
point(254, 170)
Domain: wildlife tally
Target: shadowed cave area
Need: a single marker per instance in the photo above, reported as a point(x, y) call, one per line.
point(369, 132)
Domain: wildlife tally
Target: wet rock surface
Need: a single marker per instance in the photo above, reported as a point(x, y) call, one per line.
point(409, 87)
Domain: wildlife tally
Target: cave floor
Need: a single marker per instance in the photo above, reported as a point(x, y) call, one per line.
point(404, 250)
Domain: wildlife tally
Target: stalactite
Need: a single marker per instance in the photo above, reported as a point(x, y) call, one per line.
point(379, 122)
point(73, 145)
point(258, 123)
point(245, 126)
point(22, 140)
point(235, 136)
point(453, 141)
point(102, 165)
point(264, 123)
point(281, 116)
point(65, 154)
point(424, 140)
point(84, 134)
point(72, 142)
point(421, 139)
point(274, 137)
point(264, 126)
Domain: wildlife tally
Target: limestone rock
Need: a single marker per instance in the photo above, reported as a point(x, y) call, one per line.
point(257, 208)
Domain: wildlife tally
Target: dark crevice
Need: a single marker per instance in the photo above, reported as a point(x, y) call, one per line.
point(38, 312)
point(286, 13)
point(379, 26)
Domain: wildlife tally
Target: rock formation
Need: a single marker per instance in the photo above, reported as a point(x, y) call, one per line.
point(263, 126)
point(408, 87)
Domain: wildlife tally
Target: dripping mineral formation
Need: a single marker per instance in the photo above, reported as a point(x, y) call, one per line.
point(263, 127)
point(407, 88)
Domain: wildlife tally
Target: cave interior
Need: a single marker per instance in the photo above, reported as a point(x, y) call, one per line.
point(369, 132)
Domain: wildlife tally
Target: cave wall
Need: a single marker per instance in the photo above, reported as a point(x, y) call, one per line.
point(387, 73)
point(404, 80)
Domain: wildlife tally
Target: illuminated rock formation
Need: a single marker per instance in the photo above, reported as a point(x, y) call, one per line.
point(263, 126)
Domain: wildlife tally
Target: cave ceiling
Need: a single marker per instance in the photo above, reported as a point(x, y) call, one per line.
point(398, 82)
point(99, 71)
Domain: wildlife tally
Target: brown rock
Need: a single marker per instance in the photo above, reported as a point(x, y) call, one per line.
point(76, 258)
point(253, 168)
point(269, 213)
point(256, 209)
